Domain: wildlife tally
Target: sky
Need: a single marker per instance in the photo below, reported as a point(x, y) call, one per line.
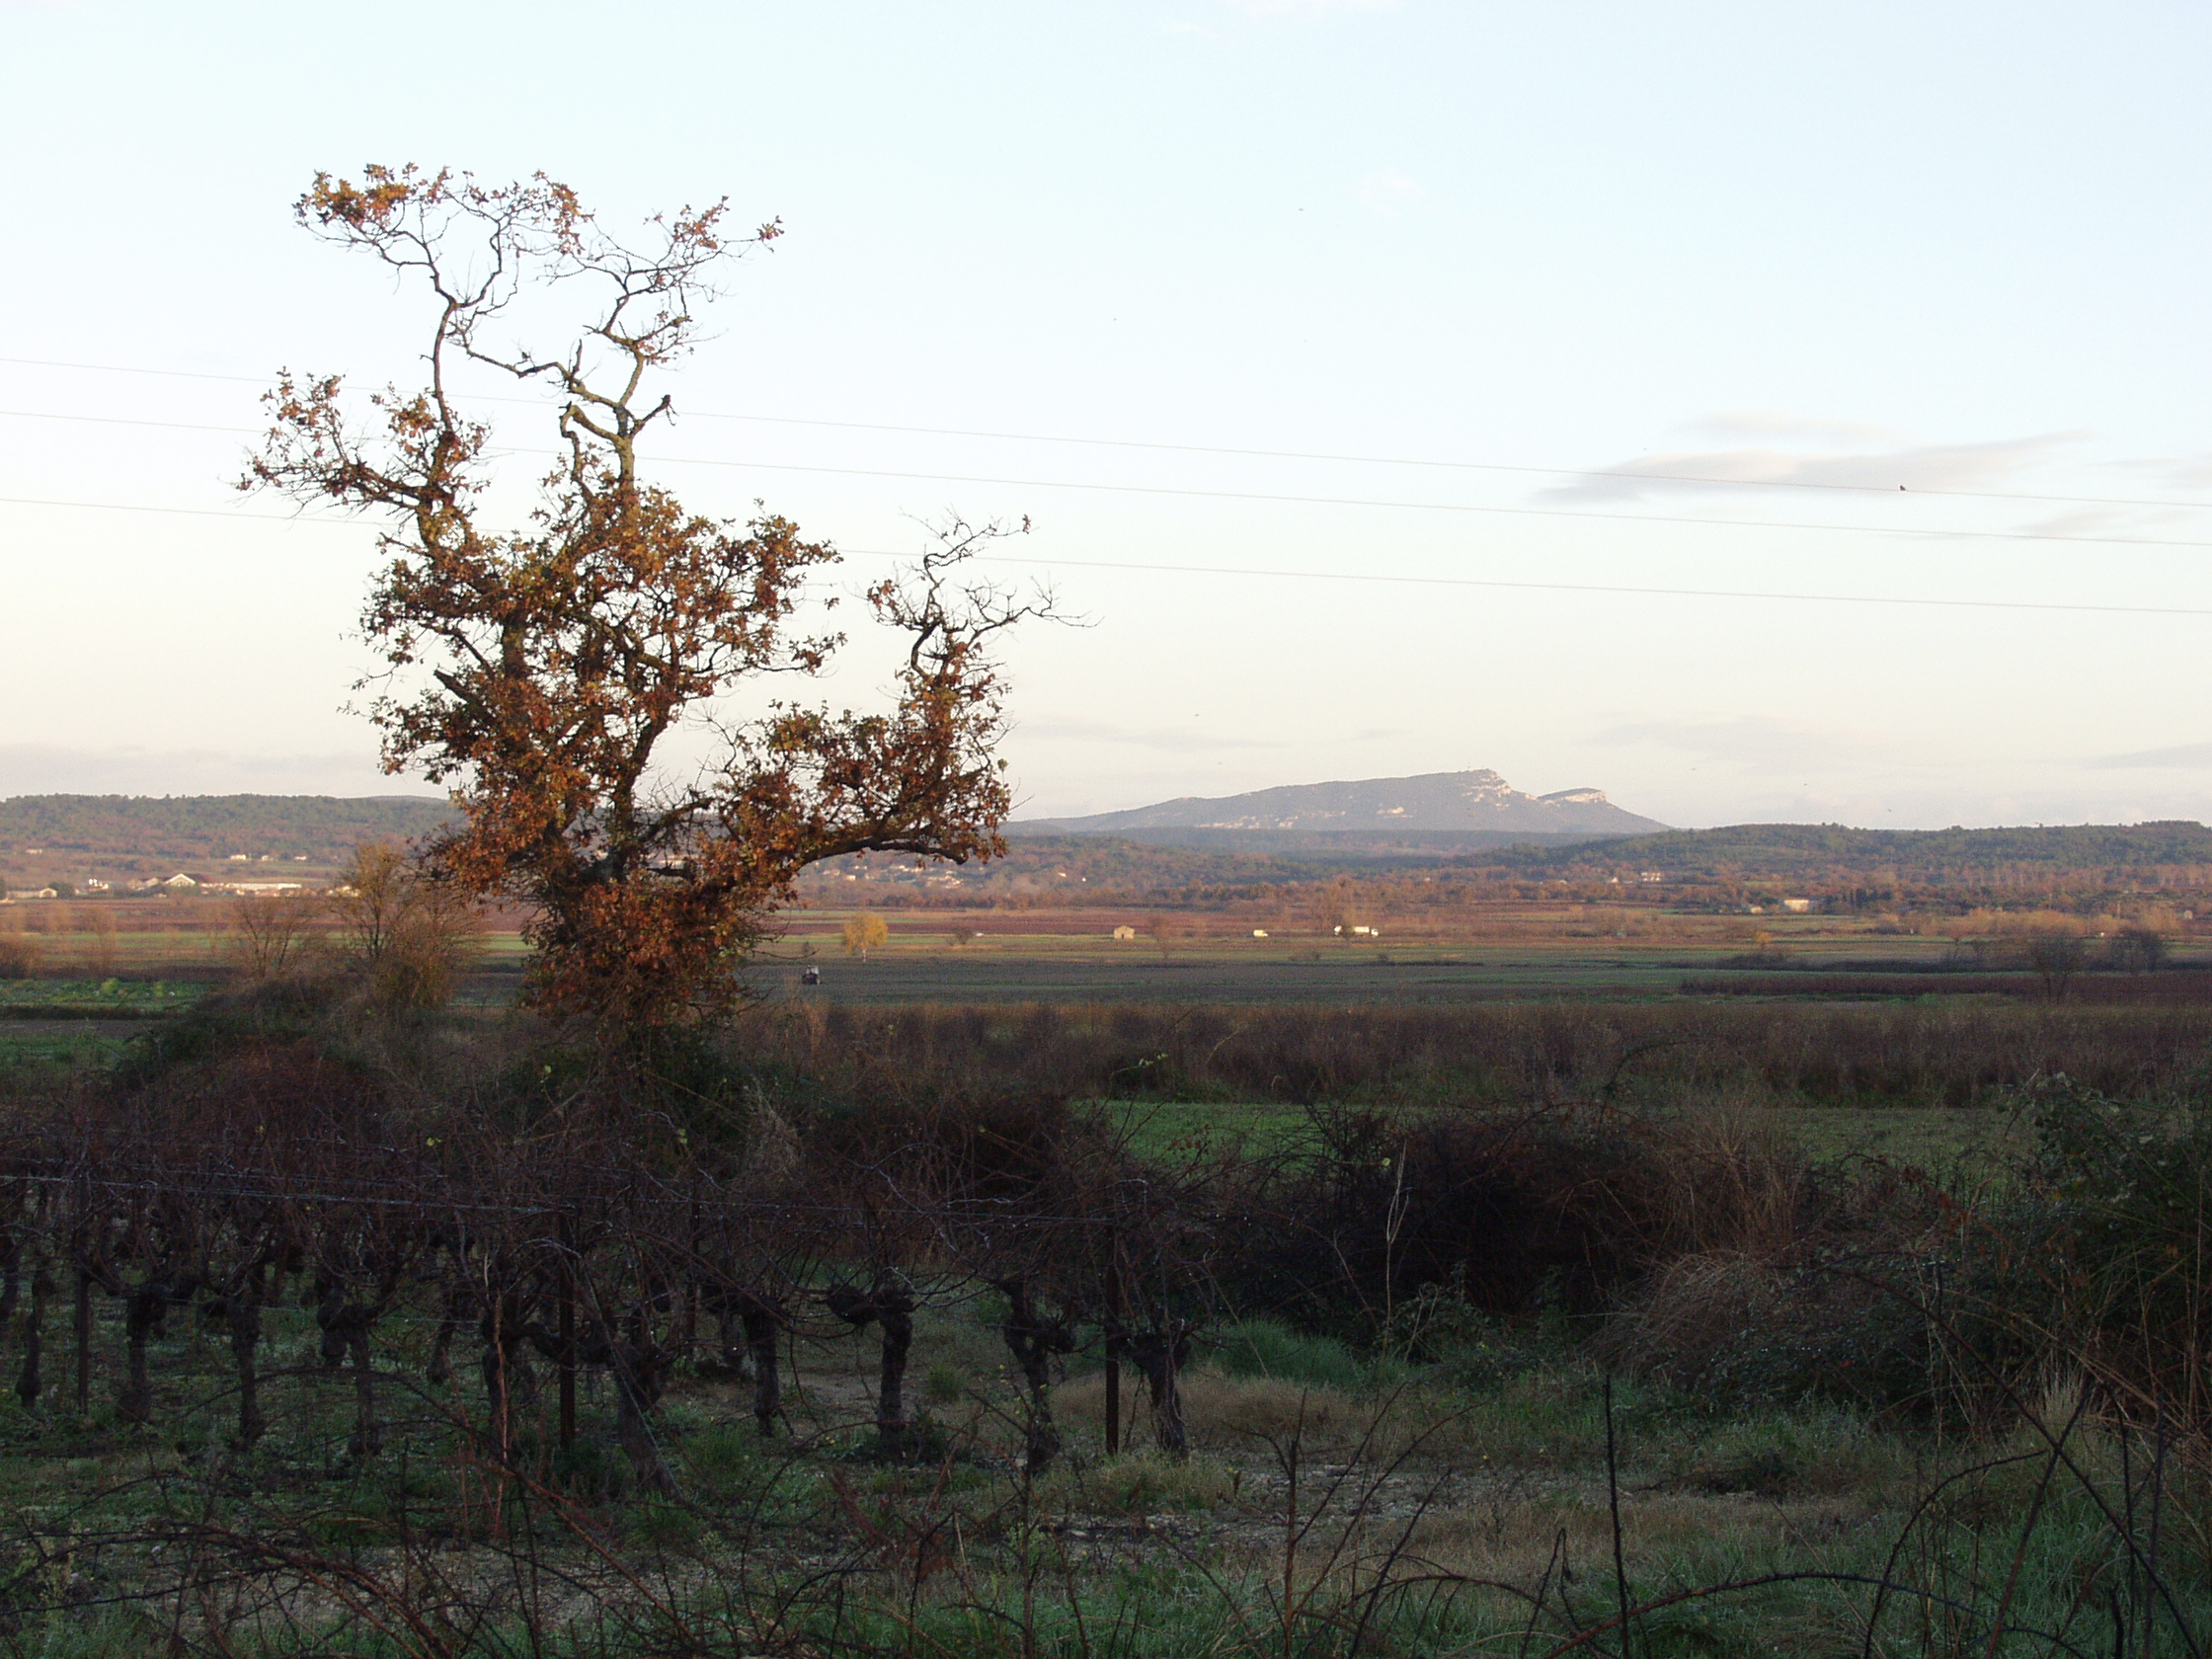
point(1756, 412)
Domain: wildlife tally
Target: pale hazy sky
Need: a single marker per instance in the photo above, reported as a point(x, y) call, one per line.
point(1958, 246)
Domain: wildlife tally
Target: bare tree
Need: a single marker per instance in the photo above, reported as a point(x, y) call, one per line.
point(406, 935)
point(2138, 949)
point(270, 938)
point(2055, 957)
point(103, 941)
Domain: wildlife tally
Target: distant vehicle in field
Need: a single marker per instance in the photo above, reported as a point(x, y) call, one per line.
point(810, 976)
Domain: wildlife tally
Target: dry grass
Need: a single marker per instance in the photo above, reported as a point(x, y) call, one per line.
point(1695, 1311)
point(1732, 1180)
point(1505, 1536)
point(1227, 1410)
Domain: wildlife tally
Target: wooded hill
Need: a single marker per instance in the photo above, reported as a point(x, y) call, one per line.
point(1696, 867)
point(2170, 853)
point(124, 831)
point(77, 835)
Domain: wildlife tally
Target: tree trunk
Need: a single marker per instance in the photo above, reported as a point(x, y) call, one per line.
point(1161, 1354)
point(245, 1338)
point(368, 1435)
point(84, 1343)
point(762, 1326)
point(637, 1385)
point(894, 1310)
point(1033, 1340)
point(143, 1317)
point(30, 1384)
point(441, 1367)
point(897, 1317)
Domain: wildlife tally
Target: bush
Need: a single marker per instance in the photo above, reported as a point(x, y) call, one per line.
point(20, 957)
point(2125, 1195)
point(1264, 1348)
point(404, 937)
point(1736, 1331)
point(1517, 1211)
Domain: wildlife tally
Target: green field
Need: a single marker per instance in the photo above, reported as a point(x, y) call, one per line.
point(1942, 1141)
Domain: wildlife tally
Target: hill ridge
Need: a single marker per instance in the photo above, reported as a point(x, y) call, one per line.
point(1470, 800)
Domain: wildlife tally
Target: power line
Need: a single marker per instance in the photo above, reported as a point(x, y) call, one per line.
point(1294, 575)
point(1594, 587)
point(1226, 449)
point(1190, 494)
point(1445, 506)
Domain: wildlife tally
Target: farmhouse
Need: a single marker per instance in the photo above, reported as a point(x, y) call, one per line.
point(1125, 932)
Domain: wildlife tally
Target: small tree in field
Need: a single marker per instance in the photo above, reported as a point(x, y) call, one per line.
point(2055, 956)
point(863, 933)
point(2138, 949)
point(270, 938)
point(103, 941)
point(538, 668)
point(405, 936)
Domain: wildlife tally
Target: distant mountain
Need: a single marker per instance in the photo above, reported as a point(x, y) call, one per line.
point(2173, 851)
point(1471, 803)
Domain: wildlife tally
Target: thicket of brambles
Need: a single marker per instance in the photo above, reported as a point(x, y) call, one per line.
point(483, 1227)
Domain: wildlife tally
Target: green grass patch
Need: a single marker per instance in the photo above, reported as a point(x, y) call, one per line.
point(113, 999)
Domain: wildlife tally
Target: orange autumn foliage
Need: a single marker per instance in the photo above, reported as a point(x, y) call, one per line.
point(539, 668)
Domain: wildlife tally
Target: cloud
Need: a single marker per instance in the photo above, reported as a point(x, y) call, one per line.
point(2192, 756)
point(2184, 472)
point(1388, 191)
point(1260, 11)
point(1932, 466)
point(2105, 520)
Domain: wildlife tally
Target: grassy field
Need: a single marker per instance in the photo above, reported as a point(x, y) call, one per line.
point(1417, 1479)
point(1943, 1140)
point(1504, 950)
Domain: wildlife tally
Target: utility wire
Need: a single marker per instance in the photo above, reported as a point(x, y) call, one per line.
point(1226, 449)
point(1188, 494)
point(1291, 575)
point(1446, 507)
point(1591, 588)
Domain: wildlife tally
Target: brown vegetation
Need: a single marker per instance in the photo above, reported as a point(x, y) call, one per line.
point(473, 1255)
point(559, 657)
point(1557, 1052)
